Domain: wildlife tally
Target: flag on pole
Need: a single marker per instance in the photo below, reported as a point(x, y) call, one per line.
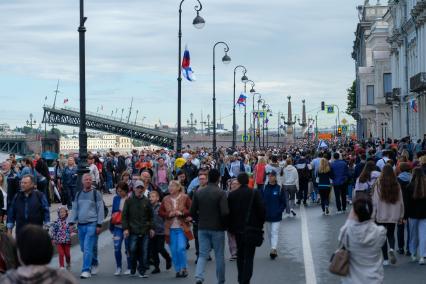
point(186, 66)
point(65, 101)
point(413, 105)
point(266, 121)
point(242, 100)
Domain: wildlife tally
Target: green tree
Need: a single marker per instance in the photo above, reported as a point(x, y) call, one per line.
point(351, 96)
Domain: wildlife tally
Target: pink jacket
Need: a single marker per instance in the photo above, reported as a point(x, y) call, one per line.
point(384, 212)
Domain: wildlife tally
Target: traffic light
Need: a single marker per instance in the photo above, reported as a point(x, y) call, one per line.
point(258, 132)
point(339, 131)
point(322, 105)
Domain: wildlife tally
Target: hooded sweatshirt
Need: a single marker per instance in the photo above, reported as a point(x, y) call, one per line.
point(364, 242)
point(291, 177)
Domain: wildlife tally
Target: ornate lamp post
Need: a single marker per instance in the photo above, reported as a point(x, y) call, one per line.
point(198, 23)
point(244, 79)
point(289, 122)
point(31, 122)
point(254, 117)
point(226, 60)
point(252, 91)
point(191, 123)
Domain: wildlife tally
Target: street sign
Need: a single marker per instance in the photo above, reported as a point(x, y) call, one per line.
point(344, 128)
point(330, 109)
point(245, 138)
point(344, 121)
point(325, 136)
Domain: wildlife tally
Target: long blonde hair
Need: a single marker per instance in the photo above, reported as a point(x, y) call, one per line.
point(177, 184)
point(324, 166)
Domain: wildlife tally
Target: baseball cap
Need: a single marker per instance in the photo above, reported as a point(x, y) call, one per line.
point(138, 183)
point(272, 173)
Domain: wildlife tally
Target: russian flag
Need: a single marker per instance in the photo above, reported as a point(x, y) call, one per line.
point(186, 66)
point(242, 100)
point(413, 105)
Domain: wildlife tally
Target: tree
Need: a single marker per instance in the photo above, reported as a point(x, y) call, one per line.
point(351, 96)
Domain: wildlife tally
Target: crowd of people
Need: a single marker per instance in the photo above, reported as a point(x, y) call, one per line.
point(162, 197)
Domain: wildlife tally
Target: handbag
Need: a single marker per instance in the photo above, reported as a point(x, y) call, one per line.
point(252, 235)
point(116, 218)
point(339, 262)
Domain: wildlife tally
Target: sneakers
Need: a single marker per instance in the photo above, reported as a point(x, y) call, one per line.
point(85, 275)
point(293, 212)
point(413, 258)
point(117, 271)
point(127, 272)
point(273, 254)
point(339, 212)
point(68, 267)
point(94, 270)
point(327, 212)
point(143, 275)
point(400, 251)
point(392, 256)
point(422, 261)
point(155, 271)
point(198, 282)
point(385, 262)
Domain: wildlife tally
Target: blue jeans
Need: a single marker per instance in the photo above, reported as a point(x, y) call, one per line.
point(88, 238)
point(417, 237)
point(138, 247)
point(209, 239)
point(350, 188)
point(118, 241)
point(178, 249)
point(109, 182)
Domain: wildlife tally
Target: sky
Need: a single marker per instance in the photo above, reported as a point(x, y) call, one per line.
point(300, 48)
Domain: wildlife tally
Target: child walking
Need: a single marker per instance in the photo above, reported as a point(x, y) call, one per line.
point(61, 236)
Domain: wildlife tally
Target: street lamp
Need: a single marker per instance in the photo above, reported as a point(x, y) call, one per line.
point(244, 79)
point(198, 23)
point(191, 123)
point(266, 109)
point(226, 60)
point(254, 117)
point(31, 122)
point(252, 91)
point(82, 135)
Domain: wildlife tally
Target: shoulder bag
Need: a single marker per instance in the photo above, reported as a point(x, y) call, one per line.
point(339, 262)
point(252, 236)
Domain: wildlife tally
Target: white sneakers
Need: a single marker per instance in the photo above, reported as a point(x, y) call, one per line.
point(422, 261)
point(385, 262)
point(85, 275)
point(127, 272)
point(117, 271)
point(392, 256)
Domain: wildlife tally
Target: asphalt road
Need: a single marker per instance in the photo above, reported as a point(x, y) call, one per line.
point(305, 245)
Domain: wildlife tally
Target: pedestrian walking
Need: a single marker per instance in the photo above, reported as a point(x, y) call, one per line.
point(35, 252)
point(363, 239)
point(416, 213)
point(29, 206)
point(12, 182)
point(210, 207)
point(240, 219)
point(291, 185)
point(304, 174)
point(116, 228)
point(341, 176)
point(60, 232)
point(177, 229)
point(162, 175)
point(69, 183)
point(404, 179)
point(158, 241)
point(88, 213)
point(232, 243)
point(275, 204)
point(388, 209)
point(324, 182)
point(366, 180)
point(259, 172)
point(137, 223)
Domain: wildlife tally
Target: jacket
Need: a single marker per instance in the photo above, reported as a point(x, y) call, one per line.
point(69, 177)
point(238, 202)
point(416, 208)
point(340, 171)
point(158, 220)
point(358, 168)
point(364, 242)
point(60, 230)
point(404, 180)
point(209, 204)
point(12, 185)
point(291, 176)
point(325, 179)
point(384, 212)
point(37, 274)
point(275, 202)
point(31, 209)
point(137, 215)
point(86, 210)
point(116, 201)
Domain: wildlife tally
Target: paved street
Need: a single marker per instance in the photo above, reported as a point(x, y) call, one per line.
point(293, 265)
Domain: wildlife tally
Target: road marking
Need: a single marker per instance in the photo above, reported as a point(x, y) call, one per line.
point(307, 252)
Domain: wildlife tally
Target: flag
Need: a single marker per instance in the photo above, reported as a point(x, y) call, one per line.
point(413, 105)
point(65, 101)
point(242, 100)
point(266, 121)
point(186, 66)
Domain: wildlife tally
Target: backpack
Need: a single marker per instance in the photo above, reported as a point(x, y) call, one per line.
point(304, 174)
point(95, 197)
point(121, 164)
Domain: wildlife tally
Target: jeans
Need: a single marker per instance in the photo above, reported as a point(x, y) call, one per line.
point(273, 229)
point(157, 248)
point(138, 246)
point(417, 236)
point(390, 234)
point(325, 195)
point(211, 239)
point(95, 261)
point(290, 190)
point(400, 234)
point(118, 241)
point(109, 182)
point(178, 248)
point(340, 194)
point(87, 236)
point(244, 260)
point(232, 243)
point(350, 188)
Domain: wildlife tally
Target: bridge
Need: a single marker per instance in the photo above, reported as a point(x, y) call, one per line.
point(71, 117)
point(16, 144)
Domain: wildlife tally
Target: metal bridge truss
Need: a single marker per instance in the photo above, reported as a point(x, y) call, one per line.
point(106, 124)
point(13, 145)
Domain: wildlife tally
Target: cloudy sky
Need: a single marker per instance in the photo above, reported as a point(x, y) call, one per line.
point(300, 48)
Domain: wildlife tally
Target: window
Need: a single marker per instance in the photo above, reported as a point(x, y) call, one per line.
point(370, 95)
point(387, 84)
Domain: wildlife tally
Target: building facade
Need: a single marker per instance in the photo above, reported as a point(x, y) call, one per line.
point(104, 142)
point(372, 55)
point(407, 36)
